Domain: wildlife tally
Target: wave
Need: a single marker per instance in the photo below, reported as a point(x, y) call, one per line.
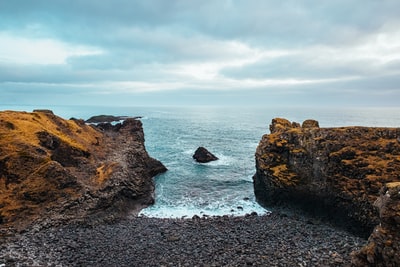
point(240, 207)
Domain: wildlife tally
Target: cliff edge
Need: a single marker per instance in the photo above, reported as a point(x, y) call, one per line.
point(65, 169)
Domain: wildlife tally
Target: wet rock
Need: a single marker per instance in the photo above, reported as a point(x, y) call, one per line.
point(202, 155)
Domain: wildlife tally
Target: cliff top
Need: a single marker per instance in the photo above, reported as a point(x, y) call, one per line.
point(18, 129)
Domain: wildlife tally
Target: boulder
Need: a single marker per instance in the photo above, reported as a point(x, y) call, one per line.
point(202, 155)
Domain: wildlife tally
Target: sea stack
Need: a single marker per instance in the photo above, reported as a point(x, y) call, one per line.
point(202, 155)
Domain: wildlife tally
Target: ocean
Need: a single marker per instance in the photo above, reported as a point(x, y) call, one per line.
point(222, 187)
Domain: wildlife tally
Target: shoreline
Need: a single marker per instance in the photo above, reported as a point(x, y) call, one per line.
point(277, 239)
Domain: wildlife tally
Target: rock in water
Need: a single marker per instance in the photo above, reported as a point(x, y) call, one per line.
point(108, 118)
point(202, 155)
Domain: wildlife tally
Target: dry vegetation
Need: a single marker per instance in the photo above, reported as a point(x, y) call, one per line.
point(28, 174)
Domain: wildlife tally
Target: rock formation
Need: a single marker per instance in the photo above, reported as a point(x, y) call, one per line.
point(108, 118)
point(65, 169)
point(202, 155)
point(336, 173)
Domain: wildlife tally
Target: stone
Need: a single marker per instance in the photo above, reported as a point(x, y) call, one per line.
point(214, 241)
point(202, 155)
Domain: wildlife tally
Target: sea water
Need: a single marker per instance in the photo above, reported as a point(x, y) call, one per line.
point(225, 186)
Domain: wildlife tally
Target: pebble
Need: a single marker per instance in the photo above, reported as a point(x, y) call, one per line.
point(269, 240)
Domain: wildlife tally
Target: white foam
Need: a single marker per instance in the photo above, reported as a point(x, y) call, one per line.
point(248, 178)
point(222, 161)
point(240, 208)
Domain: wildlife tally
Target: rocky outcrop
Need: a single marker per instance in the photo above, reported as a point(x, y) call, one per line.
point(108, 118)
point(202, 155)
point(66, 169)
point(383, 248)
point(332, 172)
point(338, 174)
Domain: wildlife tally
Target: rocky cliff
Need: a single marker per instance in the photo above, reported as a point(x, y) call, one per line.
point(335, 173)
point(66, 169)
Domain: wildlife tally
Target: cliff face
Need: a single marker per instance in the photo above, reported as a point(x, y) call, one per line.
point(332, 172)
point(66, 169)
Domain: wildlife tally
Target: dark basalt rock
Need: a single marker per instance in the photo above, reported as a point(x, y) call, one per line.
point(202, 155)
point(107, 118)
point(48, 140)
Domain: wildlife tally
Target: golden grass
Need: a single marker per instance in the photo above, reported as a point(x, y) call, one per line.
point(284, 175)
point(26, 125)
point(392, 185)
point(104, 171)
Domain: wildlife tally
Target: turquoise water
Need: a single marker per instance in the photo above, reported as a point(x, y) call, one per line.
point(222, 187)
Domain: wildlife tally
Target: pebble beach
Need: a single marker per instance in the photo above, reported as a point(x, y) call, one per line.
point(277, 239)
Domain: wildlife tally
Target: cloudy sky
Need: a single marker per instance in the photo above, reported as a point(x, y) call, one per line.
point(220, 52)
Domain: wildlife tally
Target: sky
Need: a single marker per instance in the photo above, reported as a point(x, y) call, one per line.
point(203, 52)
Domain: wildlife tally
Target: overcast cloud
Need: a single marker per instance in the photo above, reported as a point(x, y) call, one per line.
point(338, 52)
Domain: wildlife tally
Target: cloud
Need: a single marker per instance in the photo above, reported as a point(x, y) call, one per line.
point(129, 48)
point(21, 50)
point(376, 56)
